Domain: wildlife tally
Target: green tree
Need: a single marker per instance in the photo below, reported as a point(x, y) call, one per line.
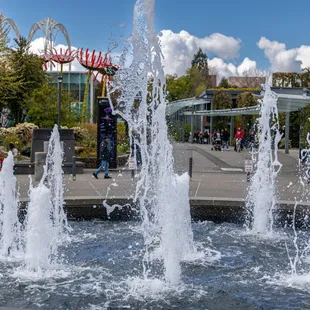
point(42, 107)
point(222, 100)
point(246, 100)
point(224, 83)
point(177, 88)
point(200, 61)
point(189, 85)
point(27, 68)
point(197, 81)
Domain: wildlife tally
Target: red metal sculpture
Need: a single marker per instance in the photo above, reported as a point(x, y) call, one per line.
point(94, 61)
point(62, 56)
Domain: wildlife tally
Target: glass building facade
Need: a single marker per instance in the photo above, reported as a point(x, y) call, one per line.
point(75, 83)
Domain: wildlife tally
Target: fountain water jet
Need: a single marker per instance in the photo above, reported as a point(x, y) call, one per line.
point(162, 195)
point(10, 241)
point(46, 223)
point(53, 179)
point(39, 235)
point(261, 199)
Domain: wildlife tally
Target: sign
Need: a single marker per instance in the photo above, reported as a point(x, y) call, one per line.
point(106, 127)
point(45, 146)
point(248, 166)
point(132, 164)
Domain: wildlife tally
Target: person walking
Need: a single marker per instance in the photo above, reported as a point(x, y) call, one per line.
point(251, 139)
point(105, 159)
point(225, 139)
point(240, 136)
point(14, 151)
point(200, 135)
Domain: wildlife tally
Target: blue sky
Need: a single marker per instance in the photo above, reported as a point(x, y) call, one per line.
point(90, 23)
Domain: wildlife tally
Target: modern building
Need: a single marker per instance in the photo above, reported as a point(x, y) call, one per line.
point(182, 110)
point(246, 81)
point(75, 83)
point(199, 111)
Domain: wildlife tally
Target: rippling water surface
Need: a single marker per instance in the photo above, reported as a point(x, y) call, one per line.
point(101, 269)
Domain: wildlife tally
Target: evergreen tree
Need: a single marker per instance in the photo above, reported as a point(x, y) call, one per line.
point(29, 73)
point(224, 83)
point(200, 61)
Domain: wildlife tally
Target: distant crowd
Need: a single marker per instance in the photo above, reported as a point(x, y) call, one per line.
point(220, 139)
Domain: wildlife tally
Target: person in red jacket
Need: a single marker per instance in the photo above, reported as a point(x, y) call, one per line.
point(239, 135)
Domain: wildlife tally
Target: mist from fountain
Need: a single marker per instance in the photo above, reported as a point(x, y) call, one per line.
point(162, 195)
point(261, 198)
point(10, 237)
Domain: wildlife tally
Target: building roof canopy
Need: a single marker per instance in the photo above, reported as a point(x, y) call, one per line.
point(289, 100)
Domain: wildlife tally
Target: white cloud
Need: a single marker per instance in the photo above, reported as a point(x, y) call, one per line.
point(178, 49)
point(284, 60)
point(220, 45)
point(223, 69)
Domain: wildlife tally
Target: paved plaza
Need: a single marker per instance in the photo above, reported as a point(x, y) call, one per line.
point(215, 175)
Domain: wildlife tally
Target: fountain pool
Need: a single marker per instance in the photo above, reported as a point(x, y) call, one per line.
point(103, 261)
point(166, 262)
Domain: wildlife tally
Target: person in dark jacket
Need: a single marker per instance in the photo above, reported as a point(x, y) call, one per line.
point(105, 159)
point(225, 139)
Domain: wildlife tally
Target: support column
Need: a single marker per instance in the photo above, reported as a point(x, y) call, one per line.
point(201, 119)
point(287, 132)
point(211, 124)
point(232, 125)
point(192, 125)
point(301, 129)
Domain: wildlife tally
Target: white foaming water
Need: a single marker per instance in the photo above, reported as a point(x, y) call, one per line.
point(261, 199)
point(9, 204)
point(53, 179)
point(163, 196)
point(46, 223)
point(40, 237)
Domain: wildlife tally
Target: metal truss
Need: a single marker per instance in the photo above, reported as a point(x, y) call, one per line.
point(10, 22)
point(50, 28)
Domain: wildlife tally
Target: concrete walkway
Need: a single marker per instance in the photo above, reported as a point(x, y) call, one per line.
point(215, 175)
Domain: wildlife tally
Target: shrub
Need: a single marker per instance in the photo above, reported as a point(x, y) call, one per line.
point(14, 139)
point(282, 143)
point(123, 149)
point(21, 133)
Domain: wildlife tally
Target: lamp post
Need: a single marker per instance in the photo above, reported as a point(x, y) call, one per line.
point(61, 57)
point(59, 98)
point(192, 125)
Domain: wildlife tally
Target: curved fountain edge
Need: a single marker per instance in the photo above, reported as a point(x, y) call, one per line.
point(216, 209)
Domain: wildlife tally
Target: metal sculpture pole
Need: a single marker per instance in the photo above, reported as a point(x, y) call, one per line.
point(59, 98)
point(85, 96)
